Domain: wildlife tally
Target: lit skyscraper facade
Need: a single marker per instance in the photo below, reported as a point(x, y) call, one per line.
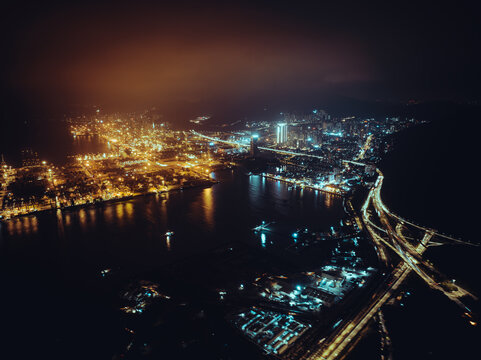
point(281, 133)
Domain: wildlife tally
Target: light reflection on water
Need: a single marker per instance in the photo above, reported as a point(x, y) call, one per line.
point(328, 200)
point(119, 213)
point(208, 205)
point(129, 210)
point(108, 213)
point(22, 226)
point(82, 218)
point(263, 239)
point(163, 210)
point(60, 222)
point(263, 195)
point(255, 190)
point(200, 219)
point(92, 216)
point(67, 217)
point(167, 243)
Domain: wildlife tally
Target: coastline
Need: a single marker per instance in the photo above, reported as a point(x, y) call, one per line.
point(109, 201)
point(343, 194)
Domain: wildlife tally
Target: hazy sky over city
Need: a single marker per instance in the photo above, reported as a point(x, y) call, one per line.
point(160, 53)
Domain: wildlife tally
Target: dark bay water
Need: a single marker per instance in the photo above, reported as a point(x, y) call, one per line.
point(131, 233)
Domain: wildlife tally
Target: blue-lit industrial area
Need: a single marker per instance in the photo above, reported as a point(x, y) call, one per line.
point(273, 332)
point(311, 297)
point(312, 291)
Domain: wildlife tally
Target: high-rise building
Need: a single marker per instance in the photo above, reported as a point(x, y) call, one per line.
point(281, 133)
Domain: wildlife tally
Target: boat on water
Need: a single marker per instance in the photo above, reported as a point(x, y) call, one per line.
point(105, 272)
point(169, 233)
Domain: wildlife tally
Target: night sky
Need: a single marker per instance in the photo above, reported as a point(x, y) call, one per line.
point(238, 53)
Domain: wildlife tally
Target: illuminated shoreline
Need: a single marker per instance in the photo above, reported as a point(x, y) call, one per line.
point(107, 201)
point(324, 190)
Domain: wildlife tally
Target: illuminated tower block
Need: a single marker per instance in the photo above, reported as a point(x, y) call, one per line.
point(281, 133)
